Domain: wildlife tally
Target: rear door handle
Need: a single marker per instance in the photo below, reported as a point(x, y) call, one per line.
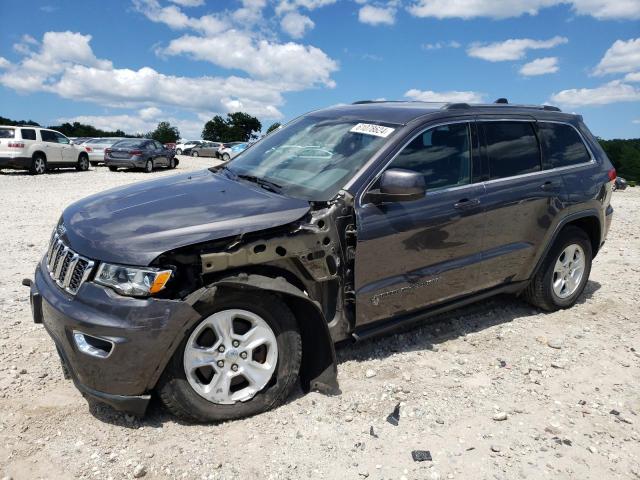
point(466, 203)
point(549, 185)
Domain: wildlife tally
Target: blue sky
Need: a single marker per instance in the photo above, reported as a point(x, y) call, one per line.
point(130, 63)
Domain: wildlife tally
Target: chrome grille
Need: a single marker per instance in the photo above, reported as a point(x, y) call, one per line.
point(68, 269)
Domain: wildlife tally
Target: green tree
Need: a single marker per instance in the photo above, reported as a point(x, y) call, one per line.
point(238, 126)
point(274, 126)
point(625, 156)
point(165, 133)
point(77, 129)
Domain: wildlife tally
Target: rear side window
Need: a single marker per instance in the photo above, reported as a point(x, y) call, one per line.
point(7, 132)
point(48, 136)
point(28, 133)
point(512, 148)
point(441, 154)
point(562, 145)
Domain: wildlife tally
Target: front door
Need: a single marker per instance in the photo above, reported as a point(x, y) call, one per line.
point(52, 148)
point(415, 254)
point(69, 152)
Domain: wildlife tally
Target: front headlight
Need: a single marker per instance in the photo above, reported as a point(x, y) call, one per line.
point(132, 281)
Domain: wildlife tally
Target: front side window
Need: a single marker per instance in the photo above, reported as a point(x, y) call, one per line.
point(442, 154)
point(512, 148)
point(562, 145)
point(313, 157)
point(48, 136)
point(61, 138)
point(28, 133)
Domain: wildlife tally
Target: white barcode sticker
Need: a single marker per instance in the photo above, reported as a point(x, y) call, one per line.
point(370, 129)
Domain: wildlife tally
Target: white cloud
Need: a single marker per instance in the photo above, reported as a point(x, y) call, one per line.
point(453, 96)
point(373, 15)
point(295, 24)
point(635, 121)
point(188, 3)
point(540, 66)
point(612, 92)
point(440, 45)
point(291, 5)
point(512, 49)
point(623, 56)
point(150, 113)
point(290, 65)
point(629, 77)
point(4, 63)
point(499, 9)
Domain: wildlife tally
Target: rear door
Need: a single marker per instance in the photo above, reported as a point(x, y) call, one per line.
point(52, 148)
point(412, 255)
point(160, 154)
point(522, 200)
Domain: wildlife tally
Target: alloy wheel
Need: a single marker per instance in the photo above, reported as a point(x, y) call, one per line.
point(39, 165)
point(230, 356)
point(568, 271)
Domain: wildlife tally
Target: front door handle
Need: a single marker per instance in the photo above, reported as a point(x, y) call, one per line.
point(466, 203)
point(549, 185)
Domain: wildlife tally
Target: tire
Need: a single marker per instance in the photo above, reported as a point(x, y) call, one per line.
point(94, 164)
point(38, 164)
point(194, 154)
point(541, 292)
point(172, 163)
point(113, 169)
point(179, 151)
point(181, 398)
point(148, 166)
point(226, 157)
point(83, 163)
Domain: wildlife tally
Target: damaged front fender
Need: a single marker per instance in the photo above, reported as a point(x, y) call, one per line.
point(318, 370)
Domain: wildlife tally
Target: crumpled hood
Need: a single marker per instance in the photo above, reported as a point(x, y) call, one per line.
point(134, 224)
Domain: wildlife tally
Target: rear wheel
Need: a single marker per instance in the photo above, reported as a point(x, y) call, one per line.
point(38, 164)
point(226, 157)
point(148, 167)
point(83, 163)
point(172, 163)
point(113, 169)
point(240, 359)
point(564, 272)
point(194, 153)
point(178, 151)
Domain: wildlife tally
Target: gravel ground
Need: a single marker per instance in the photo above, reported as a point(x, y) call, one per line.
point(493, 391)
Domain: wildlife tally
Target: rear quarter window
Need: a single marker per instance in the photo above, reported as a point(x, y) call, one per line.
point(7, 133)
point(512, 148)
point(28, 133)
point(562, 145)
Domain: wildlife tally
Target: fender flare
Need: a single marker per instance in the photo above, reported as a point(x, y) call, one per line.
point(318, 370)
point(561, 224)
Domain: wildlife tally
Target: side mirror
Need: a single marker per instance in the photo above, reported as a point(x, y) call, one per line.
point(398, 185)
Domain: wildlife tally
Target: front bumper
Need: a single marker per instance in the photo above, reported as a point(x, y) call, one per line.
point(15, 162)
point(144, 334)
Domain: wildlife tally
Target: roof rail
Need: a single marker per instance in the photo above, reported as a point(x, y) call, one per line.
point(499, 103)
point(501, 100)
point(456, 106)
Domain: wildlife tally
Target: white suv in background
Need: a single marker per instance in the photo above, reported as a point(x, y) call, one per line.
point(186, 145)
point(39, 149)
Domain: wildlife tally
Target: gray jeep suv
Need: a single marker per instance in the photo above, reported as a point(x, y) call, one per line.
point(219, 290)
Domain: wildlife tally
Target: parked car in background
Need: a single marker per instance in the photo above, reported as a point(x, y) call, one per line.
point(95, 148)
point(206, 149)
point(226, 145)
point(170, 145)
point(185, 147)
point(232, 151)
point(139, 153)
point(219, 290)
point(79, 140)
point(620, 184)
point(39, 149)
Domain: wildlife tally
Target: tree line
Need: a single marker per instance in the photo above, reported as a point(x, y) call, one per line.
point(240, 126)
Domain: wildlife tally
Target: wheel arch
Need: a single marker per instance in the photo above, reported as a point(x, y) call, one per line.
point(587, 220)
point(318, 370)
point(39, 152)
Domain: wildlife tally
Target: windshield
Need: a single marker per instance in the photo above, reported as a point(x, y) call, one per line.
point(312, 158)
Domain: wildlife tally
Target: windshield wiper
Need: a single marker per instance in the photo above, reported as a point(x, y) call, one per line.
point(266, 184)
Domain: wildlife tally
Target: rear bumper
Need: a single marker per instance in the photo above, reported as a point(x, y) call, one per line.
point(125, 162)
point(143, 334)
point(15, 162)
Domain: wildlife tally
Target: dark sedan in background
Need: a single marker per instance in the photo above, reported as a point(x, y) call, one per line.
point(139, 153)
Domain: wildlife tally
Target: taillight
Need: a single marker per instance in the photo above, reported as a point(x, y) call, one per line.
point(16, 145)
point(136, 152)
point(612, 175)
point(107, 151)
point(88, 149)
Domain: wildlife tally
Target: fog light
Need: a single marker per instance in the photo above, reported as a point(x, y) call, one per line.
point(94, 346)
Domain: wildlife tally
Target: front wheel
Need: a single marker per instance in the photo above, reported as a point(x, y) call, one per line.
point(240, 359)
point(172, 163)
point(179, 151)
point(194, 153)
point(83, 163)
point(226, 157)
point(564, 272)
